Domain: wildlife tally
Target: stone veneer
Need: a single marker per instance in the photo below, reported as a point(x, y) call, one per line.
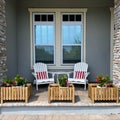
point(116, 43)
point(3, 56)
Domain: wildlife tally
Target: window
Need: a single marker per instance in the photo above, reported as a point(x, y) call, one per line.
point(44, 38)
point(58, 36)
point(72, 33)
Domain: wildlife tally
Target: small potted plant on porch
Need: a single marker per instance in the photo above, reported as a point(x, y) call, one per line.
point(61, 91)
point(15, 89)
point(104, 90)
point(17, 81)
point(63, 81)
point(103, 80)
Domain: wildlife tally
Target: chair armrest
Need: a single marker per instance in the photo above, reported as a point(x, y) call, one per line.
point(86, 74)
point(52, 73)
point(68, 73)
point(34, 74)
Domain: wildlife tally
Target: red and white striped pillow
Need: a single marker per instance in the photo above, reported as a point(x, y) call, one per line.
point(79, 74)
point(41, 75)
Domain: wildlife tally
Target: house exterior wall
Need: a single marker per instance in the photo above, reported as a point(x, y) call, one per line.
point(11, 38)
point(116, 47)
point(97, 34)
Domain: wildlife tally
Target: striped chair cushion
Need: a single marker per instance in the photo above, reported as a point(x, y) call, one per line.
point(79, 74)
point(41, 75)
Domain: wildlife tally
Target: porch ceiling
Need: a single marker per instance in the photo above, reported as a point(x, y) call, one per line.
point(68, 3)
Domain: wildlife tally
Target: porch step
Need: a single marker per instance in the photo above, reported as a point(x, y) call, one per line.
point(60, 110)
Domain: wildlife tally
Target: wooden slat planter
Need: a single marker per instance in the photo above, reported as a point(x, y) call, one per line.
point(16, 93)
point(103, 94)
point(55, 92)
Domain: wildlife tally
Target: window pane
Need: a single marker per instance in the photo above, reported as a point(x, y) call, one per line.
point(37, 17)
point(44, 17)
point(37, 34)
point(44, 34)
point(51, 34)
point(50, 17)
point(65, 17)
point(71, 34)
point(78, 17)
point(44, 54)
point(72, 18)
point(71, 54)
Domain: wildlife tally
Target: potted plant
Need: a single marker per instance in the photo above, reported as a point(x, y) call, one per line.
point(103, 80)
point(11, 88)
point(63, 80)
point(7, 82)
point(16, 81)
point(19, 81)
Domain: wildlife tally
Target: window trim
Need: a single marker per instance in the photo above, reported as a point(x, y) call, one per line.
point(41, 23)
point(72, 22)
point(57, 35)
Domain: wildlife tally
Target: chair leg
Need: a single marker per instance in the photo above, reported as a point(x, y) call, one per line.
point(85, 87)
point(36, 86)
point(34, 82)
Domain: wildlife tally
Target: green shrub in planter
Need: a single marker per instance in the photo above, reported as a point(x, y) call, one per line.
point(16, 81)
point(63, 81)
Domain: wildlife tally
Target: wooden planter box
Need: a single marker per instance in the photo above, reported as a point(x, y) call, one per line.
point(55, 92)
point(15, 93)
point(103, 94)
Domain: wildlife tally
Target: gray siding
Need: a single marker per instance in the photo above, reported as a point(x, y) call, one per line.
point(11, 38)
point(98, 34)
point(98, 41)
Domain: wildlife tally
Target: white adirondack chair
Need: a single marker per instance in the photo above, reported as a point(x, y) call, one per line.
point(41, 75)
point(79, 74)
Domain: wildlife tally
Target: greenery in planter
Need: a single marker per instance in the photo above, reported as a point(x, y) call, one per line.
point(63, 81)
point(7, 82)
point(103, 80)
point(16, 81)
point(19, 81)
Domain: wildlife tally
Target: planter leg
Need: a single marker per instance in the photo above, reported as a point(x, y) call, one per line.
point(73, 101)
point(93, 100)
point(26, 100)
point(1, 101)
point(48, 101)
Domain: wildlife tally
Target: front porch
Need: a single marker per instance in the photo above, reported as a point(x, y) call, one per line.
point(40, 98)
point(38, 104)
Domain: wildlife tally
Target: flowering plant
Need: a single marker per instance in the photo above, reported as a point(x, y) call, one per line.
point(102, 80)
point(17, 81)
point(63, 81)
point(7, 82)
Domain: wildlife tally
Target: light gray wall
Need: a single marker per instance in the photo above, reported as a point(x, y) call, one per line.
point(98, 33)
point(11, 38)
point(98, 41)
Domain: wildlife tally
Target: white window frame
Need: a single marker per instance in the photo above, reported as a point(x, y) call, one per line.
point(41, 23)
point(57, 12)
point(82, 42)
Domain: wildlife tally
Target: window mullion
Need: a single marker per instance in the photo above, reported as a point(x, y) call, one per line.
point(58, 39)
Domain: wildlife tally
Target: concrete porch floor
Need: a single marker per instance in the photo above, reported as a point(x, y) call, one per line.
point(40, 98)
point(38, 104)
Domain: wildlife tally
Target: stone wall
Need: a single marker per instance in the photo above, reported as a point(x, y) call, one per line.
point(116, 43)
point(2, 40)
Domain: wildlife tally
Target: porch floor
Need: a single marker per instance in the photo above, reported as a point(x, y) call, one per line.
point(40, 98)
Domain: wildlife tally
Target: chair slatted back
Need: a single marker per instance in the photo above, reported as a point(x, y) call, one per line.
point(79, 70)
point(41, 70)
